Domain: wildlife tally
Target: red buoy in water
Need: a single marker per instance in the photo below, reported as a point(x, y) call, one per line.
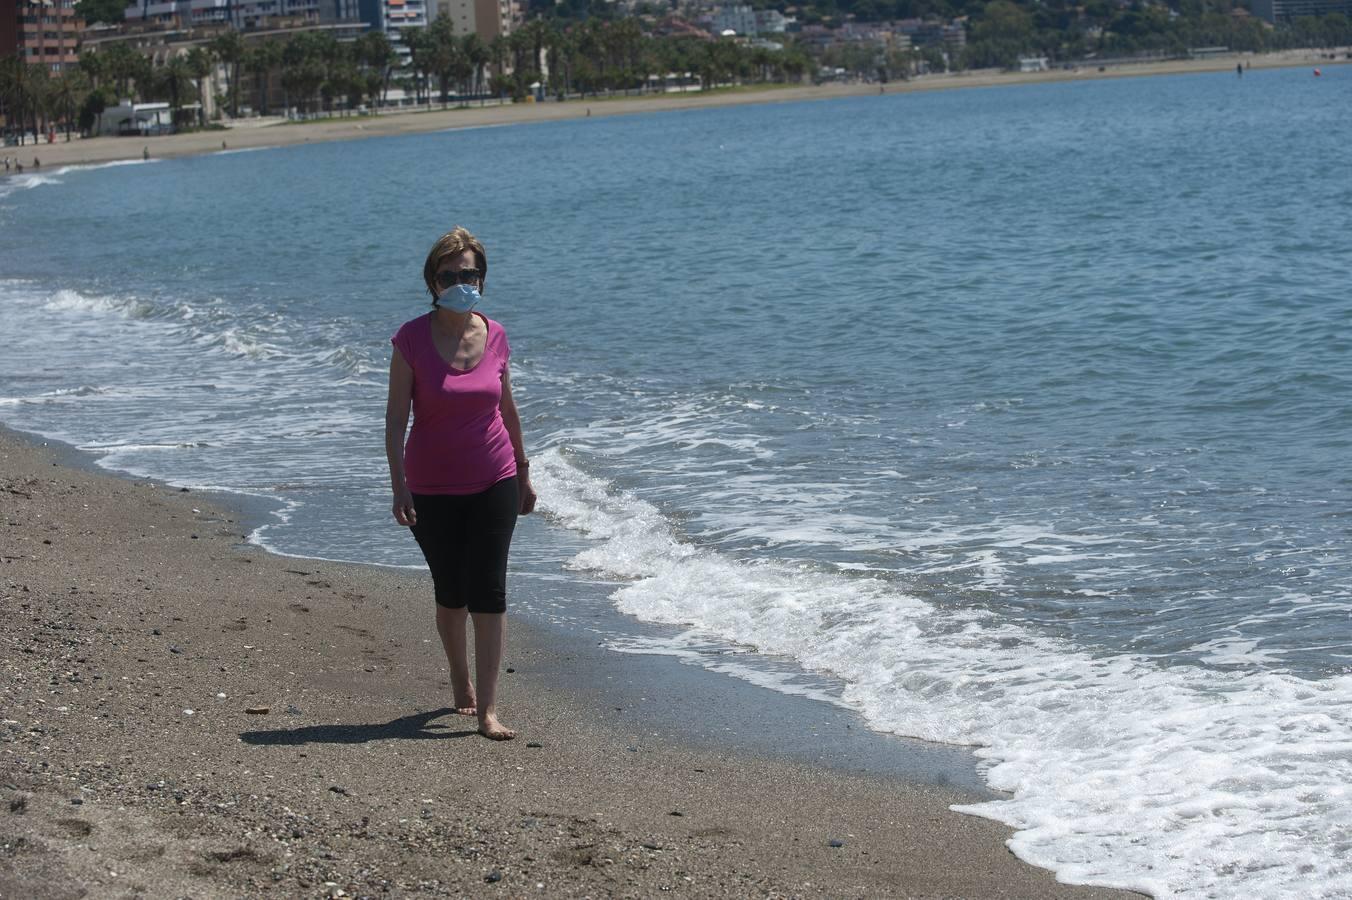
point(1317, 73)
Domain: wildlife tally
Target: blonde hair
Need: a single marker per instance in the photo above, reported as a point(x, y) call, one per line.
point(453, 243)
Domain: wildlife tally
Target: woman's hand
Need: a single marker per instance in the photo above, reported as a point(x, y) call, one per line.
point(404, 513)
point(527, 496)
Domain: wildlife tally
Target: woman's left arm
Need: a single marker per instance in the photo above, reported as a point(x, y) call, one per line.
point(512, 419)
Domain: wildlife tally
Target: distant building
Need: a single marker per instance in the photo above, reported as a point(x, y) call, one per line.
point(43, 32)
point(738, 19)
point(1279, 11)
point(243, 15)
point(1033, 64)
point(950, 36)
point(486, 18)
point(392, 16)
point(771, 21)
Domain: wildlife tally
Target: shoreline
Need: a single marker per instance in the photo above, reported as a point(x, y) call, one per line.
point(139, 620)
point(246, 136)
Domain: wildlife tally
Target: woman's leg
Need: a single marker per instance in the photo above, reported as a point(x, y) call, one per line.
point(451, 626)
point(494, 520)
point(489, 634)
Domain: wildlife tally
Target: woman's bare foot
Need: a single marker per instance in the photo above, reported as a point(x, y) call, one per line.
point(491, 728)
point(466, 706)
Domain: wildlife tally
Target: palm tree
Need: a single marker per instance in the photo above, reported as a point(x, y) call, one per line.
point(262, 58)
point(476, 54)
point(127, 67)
point(497, 52)
point(174, 83)
point(445, 50)
point(199, 66)
point(302, 68)
point(69, 90)
point(228, 47)
point(420, 50)
point(380, 58)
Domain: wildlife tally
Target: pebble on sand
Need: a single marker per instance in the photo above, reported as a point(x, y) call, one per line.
point(258, 710)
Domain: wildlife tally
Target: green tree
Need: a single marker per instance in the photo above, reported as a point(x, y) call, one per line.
point(199, 64)
point(228, 48)
point(174, 82)
point(96, 11)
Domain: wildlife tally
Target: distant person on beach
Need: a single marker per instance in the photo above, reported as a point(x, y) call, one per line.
point(462, 477)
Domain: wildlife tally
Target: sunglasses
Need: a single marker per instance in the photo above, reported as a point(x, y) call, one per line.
point(463, 276)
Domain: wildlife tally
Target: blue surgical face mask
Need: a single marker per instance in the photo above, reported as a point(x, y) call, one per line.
point(460, 298)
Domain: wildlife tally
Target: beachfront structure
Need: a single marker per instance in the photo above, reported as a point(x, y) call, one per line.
point(486, 18)
point(244, 15)
point(1277, 11)
point(144, 119)
point(43, 32)
point(1033, 64)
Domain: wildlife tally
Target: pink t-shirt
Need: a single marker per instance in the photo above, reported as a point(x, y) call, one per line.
point(458, 443)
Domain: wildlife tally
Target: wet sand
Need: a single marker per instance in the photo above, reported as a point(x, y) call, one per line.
point(186, 715)
point(249, 135)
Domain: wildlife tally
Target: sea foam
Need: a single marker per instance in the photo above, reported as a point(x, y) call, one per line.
point(1172, 780)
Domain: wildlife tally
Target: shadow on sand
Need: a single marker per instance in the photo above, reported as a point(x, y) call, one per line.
point(405, 728)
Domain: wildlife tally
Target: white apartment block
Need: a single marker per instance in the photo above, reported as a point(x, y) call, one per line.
point(738, 19)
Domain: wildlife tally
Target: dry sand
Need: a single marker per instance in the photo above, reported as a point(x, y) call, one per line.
point(249, 136)
point(128, 604)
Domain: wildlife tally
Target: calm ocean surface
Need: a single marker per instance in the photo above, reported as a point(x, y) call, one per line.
point(1014, 417)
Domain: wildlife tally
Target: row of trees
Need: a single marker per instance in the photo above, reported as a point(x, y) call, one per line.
point(587, 58)
point(1003, 30)
point(317, 72)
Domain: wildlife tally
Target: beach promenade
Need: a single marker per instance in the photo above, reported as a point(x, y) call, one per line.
point(250, 136)
point(187, 716)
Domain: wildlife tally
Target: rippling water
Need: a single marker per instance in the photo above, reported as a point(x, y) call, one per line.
point(1024, 413)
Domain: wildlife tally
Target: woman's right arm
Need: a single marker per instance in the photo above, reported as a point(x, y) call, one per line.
point(396, 424)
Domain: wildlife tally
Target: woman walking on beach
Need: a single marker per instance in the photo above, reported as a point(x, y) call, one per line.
point(463, 476)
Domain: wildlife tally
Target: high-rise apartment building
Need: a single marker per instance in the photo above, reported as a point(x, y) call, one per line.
point(391, 16)
point(43, 32)
point(486, 18)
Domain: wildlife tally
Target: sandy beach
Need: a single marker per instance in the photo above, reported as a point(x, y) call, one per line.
point(251, 135)
point(185, 715)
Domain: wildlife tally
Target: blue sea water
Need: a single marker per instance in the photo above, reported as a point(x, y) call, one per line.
point(1021, 414)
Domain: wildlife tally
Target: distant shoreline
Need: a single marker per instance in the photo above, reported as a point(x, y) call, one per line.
point(246, 136)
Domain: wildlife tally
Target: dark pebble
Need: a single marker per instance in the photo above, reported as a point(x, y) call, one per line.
point(510, 670)
point(156, 631)
point(493, 877)
point(45, 541)
point(651, 847)
point(835, 843)
point(675, 812)
point(534, 744)
point(338, 790)
point(175, 650)
point(194, 537)
point(183, 490)
point(76, 801)
point(18, 804)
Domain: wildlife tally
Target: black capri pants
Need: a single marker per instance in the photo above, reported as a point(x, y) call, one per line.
point(465, 538)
